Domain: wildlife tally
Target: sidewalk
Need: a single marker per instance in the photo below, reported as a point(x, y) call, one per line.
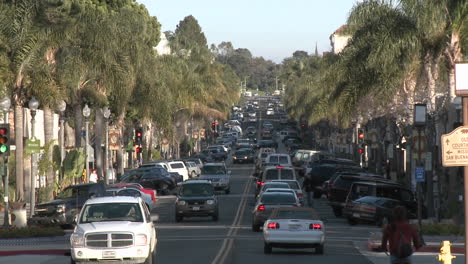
point(425, 255)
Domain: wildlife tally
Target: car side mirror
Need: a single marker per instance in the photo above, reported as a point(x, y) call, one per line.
point(75, 219)
point(229, 172)
point(154, 218)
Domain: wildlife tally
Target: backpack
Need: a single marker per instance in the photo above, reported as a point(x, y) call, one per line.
point(404, 249)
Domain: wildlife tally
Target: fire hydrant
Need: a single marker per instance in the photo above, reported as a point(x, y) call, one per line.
point(445, 255)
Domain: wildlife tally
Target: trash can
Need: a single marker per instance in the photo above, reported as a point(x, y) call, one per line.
point(18, 218)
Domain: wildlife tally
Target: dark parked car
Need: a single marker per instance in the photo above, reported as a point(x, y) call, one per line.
point(372, 209)
point(66, 205)
point(155, 178)
point(266, 143)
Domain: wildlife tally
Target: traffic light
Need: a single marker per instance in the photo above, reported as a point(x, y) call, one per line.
point(360, 136)
point(138, 136)
point(303, 126)
point(138, 149)
point(361, 150)
point(213, 126)
point(5, 140)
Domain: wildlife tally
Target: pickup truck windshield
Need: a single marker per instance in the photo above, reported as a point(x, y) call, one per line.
point(105, 212)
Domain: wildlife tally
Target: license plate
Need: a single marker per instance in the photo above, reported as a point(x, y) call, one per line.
point(108, 254)
point(195, 208)
point(356, 215)
point(294, 227)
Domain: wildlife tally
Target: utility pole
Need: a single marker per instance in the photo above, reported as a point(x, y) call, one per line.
point(276, 81)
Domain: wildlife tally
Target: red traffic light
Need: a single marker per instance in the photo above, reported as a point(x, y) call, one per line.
point(138, 149)
point(138, 134)
point(3, 131)
point(361, 135)
point(361, 151)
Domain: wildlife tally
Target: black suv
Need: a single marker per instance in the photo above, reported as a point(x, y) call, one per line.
point(155, 178)
point(323, 172)
point(196, 198)
point(341, 184)
point(66, 205)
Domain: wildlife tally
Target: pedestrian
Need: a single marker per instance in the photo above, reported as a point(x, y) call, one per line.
point(93, 177)
point(307, 185)
point(400, 235)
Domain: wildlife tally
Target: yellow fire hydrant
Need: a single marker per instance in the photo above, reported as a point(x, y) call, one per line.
point(445, 255)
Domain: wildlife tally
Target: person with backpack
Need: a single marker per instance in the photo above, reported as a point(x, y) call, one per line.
point(400, 236)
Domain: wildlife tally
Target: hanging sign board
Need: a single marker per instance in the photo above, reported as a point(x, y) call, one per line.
point(33, 146)
point(461, 78)
point(455, 147)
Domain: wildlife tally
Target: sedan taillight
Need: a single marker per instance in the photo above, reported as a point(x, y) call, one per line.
point(315, 226)
point(273, 225)
point(261, 208)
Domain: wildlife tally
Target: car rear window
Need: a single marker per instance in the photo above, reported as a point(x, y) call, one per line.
point(273, 159)
point(178, 165)
point(272, 174)
point(287, 174)
point(267, 186)
point(276, 198)
point(293, 184)
point(283, 159)
point(295, 214)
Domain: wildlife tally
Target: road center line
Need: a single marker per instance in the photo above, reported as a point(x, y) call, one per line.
point(228, 242)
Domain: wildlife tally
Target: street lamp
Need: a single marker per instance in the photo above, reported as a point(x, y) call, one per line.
point(5, 104)
point(33, 106)
point(419, 121)
point(61, 107)
point(86, 113)
point(106, 112)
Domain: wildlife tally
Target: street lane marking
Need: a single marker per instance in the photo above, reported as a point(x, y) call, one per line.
point(228, 242)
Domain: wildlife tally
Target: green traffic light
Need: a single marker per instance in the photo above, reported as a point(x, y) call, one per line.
point(3, 149)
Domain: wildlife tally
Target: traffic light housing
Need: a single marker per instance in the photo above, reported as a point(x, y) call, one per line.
point(361, 136)
point(213, 126)
point(138, 149)
point(138, 136)
point(303, 126)
point(5, 140)
point(361, 150)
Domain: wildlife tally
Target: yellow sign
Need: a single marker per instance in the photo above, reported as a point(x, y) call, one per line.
point(455, 147)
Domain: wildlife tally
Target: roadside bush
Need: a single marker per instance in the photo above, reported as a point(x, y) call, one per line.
point(442, 229)
point(31, 232)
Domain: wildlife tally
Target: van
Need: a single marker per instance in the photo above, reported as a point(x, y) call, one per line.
point(271, 173)
point(307, 155)
point(279, 159)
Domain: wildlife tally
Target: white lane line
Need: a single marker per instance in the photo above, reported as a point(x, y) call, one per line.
point(200, 227)
point(227, 243)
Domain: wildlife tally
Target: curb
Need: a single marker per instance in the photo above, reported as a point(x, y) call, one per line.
point(61, 252)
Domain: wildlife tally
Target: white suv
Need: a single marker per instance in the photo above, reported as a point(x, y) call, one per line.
point(114, 229)
point(179, 167)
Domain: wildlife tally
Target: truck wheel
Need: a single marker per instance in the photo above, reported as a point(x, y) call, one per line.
point(178, 218)
point(319, 250)
point(149, 259)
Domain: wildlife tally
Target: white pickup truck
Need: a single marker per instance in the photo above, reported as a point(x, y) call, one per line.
point(116, 228)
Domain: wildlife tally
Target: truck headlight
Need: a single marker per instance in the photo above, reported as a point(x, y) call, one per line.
point(61, 208)
point(141, 240)
point(210, 202)
point(77, 240)
point(181, 202)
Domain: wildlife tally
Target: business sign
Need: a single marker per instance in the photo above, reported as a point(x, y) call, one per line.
point(461, 78)
point(114, 137)
point(455, 147)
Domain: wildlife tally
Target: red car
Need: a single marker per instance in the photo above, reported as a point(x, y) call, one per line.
point(139, 187)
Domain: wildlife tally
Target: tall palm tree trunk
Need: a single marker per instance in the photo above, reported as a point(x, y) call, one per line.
point(78, 124)
point(48, 137)
point(19, 152)
point(120, 152)
point(98, 132)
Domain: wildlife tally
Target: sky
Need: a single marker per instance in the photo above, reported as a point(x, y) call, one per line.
point(272, 29)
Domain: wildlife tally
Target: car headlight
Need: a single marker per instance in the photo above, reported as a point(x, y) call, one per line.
point(77, 240)
point(234, 157)
point(61, 208)
point(182, 202)
point(246, 157)
point(210, 202)
point(141, 240)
